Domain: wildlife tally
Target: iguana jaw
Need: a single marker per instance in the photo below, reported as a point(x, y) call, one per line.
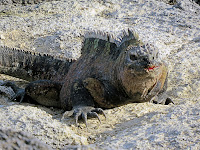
point(148, 72)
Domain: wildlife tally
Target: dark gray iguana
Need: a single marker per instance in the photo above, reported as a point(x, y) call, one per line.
point(110, 73)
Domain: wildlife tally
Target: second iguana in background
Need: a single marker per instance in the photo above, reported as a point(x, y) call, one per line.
point(110, 72)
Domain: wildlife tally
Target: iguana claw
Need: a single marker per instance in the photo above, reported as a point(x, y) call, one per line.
point(84, 113)
point(165, 101)
point(20, 93)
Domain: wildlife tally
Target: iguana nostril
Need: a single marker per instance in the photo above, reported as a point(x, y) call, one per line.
point(133, 57)
point(146, 60)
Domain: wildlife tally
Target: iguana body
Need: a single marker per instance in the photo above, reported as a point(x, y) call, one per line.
point(110, 73)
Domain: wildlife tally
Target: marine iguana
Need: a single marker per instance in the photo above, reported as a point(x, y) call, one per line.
point(110, 72)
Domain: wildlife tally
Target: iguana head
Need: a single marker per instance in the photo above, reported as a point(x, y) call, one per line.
point(128, 53)
point(141, 60)
point(139, 69)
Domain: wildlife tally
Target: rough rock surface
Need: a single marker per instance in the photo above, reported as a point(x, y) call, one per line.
point(11, 139)
point(58, 27)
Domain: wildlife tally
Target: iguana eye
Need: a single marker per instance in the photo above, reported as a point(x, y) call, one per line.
point(133, 57)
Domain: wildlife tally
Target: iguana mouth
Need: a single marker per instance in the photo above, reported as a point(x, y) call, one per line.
point(151, 67)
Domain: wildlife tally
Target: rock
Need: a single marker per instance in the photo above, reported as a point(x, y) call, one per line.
point(11, 139)
point(44, 124)
point(8, 91)
point(188, 5)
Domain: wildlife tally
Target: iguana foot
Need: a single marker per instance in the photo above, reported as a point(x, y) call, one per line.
point(84, 112)
point(19, 95)
point(17, 92)
point(164, 101)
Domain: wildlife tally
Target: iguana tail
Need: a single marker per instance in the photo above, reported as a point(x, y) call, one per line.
point(30, 66)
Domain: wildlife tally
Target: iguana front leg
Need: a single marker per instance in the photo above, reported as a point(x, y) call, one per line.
point(157, 94)
point(160, 96)
point(82, 103)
